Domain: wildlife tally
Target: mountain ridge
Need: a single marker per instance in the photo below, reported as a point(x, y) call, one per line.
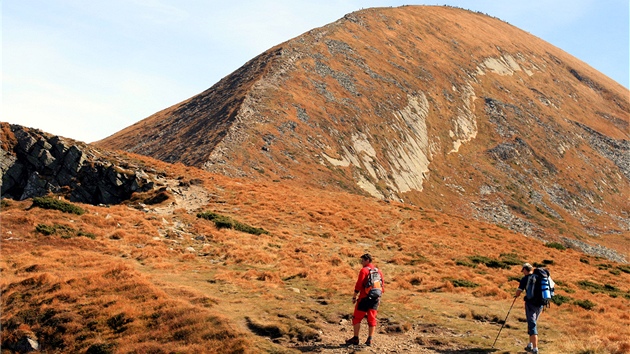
point(435, 106)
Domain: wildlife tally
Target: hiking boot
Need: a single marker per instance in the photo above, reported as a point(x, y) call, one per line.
point(353, 341)
point(368, 342)
point(528, 348)
point(535, 351)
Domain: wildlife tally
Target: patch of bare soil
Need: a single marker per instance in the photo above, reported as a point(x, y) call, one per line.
point(190, 196)
point(390, 338)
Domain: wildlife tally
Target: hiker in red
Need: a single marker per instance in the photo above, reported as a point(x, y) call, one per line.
point(367, 296)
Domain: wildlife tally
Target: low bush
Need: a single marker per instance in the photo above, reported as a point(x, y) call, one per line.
point(560, 299)
point(465, 263)
point(608, 289)
point(585, 304)
point(222, 221)
point(624, 268)
point(57, 204)
point(555, 245)
point(62, 230)
point(45, 229)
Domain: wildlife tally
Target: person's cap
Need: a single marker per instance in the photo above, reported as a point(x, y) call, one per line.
point(527, 266)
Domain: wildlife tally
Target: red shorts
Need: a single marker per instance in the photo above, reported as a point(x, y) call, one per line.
point(358, 316)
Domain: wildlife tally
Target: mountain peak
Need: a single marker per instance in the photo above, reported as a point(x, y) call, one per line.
point(435, 106)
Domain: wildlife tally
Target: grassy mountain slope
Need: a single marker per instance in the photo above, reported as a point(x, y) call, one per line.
point(133, 278)
point(438, 107)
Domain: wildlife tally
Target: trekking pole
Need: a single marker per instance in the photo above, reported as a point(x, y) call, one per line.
point(506, 317)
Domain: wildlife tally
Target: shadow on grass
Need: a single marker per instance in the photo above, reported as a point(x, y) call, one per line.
point(466, 350)
point(316, 348)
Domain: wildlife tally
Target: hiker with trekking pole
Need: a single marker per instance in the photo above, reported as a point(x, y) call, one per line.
point(538, 288)
point(367, 296)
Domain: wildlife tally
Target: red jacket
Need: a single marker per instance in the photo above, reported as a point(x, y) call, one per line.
point(363, 273)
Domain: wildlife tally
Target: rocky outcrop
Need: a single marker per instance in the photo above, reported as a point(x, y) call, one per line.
point(34, 164)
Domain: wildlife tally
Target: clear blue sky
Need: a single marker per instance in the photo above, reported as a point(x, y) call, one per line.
point(87, 69)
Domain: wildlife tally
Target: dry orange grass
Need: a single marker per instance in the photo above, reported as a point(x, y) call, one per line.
point(156, 293)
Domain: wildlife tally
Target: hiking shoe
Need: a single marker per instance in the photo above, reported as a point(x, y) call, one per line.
point(535, 351)
point(368, 342)
point(528, 348)
point(353, 341)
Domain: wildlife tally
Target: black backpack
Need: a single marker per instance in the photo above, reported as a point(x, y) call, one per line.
point(540, 287)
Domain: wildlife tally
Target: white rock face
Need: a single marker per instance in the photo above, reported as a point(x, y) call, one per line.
point(407, 158)
point(412, 155)
point(465, 125)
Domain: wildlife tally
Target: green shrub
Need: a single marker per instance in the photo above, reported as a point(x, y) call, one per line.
point(57, 204)
point(489, 262)
point(479, 259)
point(560, 299)
point(585, 260)
point(62, 230)
point(585, 304)
point(591, 286)
point(594, 288)
point(87, 234)
point(556, 245)
point(222, 221)
point(45, 229)
point(465, 263)
point(624, 268)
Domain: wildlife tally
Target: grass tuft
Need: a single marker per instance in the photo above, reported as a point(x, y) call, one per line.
point(57, 204)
